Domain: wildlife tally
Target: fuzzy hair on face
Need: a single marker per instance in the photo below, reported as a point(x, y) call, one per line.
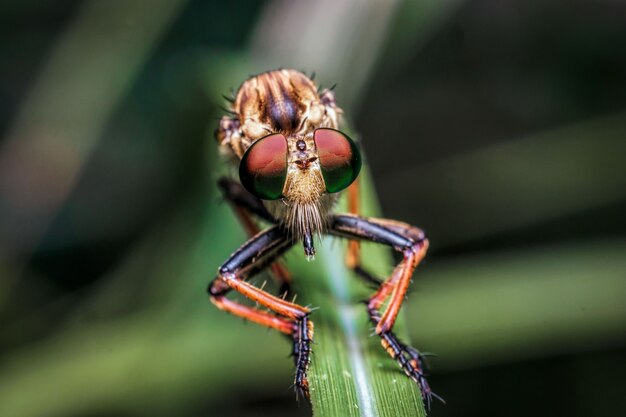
point(305, 208)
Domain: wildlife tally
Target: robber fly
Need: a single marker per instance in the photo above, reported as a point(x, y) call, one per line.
point(293, 163)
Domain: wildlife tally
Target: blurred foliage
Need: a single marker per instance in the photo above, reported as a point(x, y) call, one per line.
point(498, 128)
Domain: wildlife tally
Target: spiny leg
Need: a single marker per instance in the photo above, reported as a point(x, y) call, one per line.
point(302, 353)
point(412, 243)
point(289, 318)
point(410, 359)
point(245, 205)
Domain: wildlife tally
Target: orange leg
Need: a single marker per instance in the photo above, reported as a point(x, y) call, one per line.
point(353, 254)
point(254, 315)
point(277, 305)
point(401, 284)
point(412, 243)
point(286, 317)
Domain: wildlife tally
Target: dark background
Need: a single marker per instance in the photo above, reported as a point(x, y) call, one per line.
point(498, 127)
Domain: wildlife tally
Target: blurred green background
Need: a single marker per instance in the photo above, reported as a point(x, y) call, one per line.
point(498, 127)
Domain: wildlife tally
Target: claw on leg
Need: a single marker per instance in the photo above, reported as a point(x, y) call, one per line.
point(410, 359)
point(302, 337)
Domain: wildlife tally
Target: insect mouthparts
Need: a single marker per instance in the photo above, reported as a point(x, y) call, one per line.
point(309, 249)
point(304, 163)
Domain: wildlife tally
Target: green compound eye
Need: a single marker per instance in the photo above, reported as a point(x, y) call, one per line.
point(340, 159)
point(263, 168)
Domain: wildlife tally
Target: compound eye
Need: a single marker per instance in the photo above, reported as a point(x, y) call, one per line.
point(263, 168)
point(340, 159)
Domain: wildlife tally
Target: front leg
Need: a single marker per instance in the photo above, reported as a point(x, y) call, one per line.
point(245, 206)
point(412, 244)
point(286, 317)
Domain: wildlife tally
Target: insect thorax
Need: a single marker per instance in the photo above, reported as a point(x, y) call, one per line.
point(281, 101)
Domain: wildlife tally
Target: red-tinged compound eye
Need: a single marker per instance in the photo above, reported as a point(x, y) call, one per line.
point(263, 168)
point(340, 159)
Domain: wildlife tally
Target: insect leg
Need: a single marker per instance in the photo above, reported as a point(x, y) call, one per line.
point(412, 244)
point(289, 318)
point(240, 198)
point(245, 205)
